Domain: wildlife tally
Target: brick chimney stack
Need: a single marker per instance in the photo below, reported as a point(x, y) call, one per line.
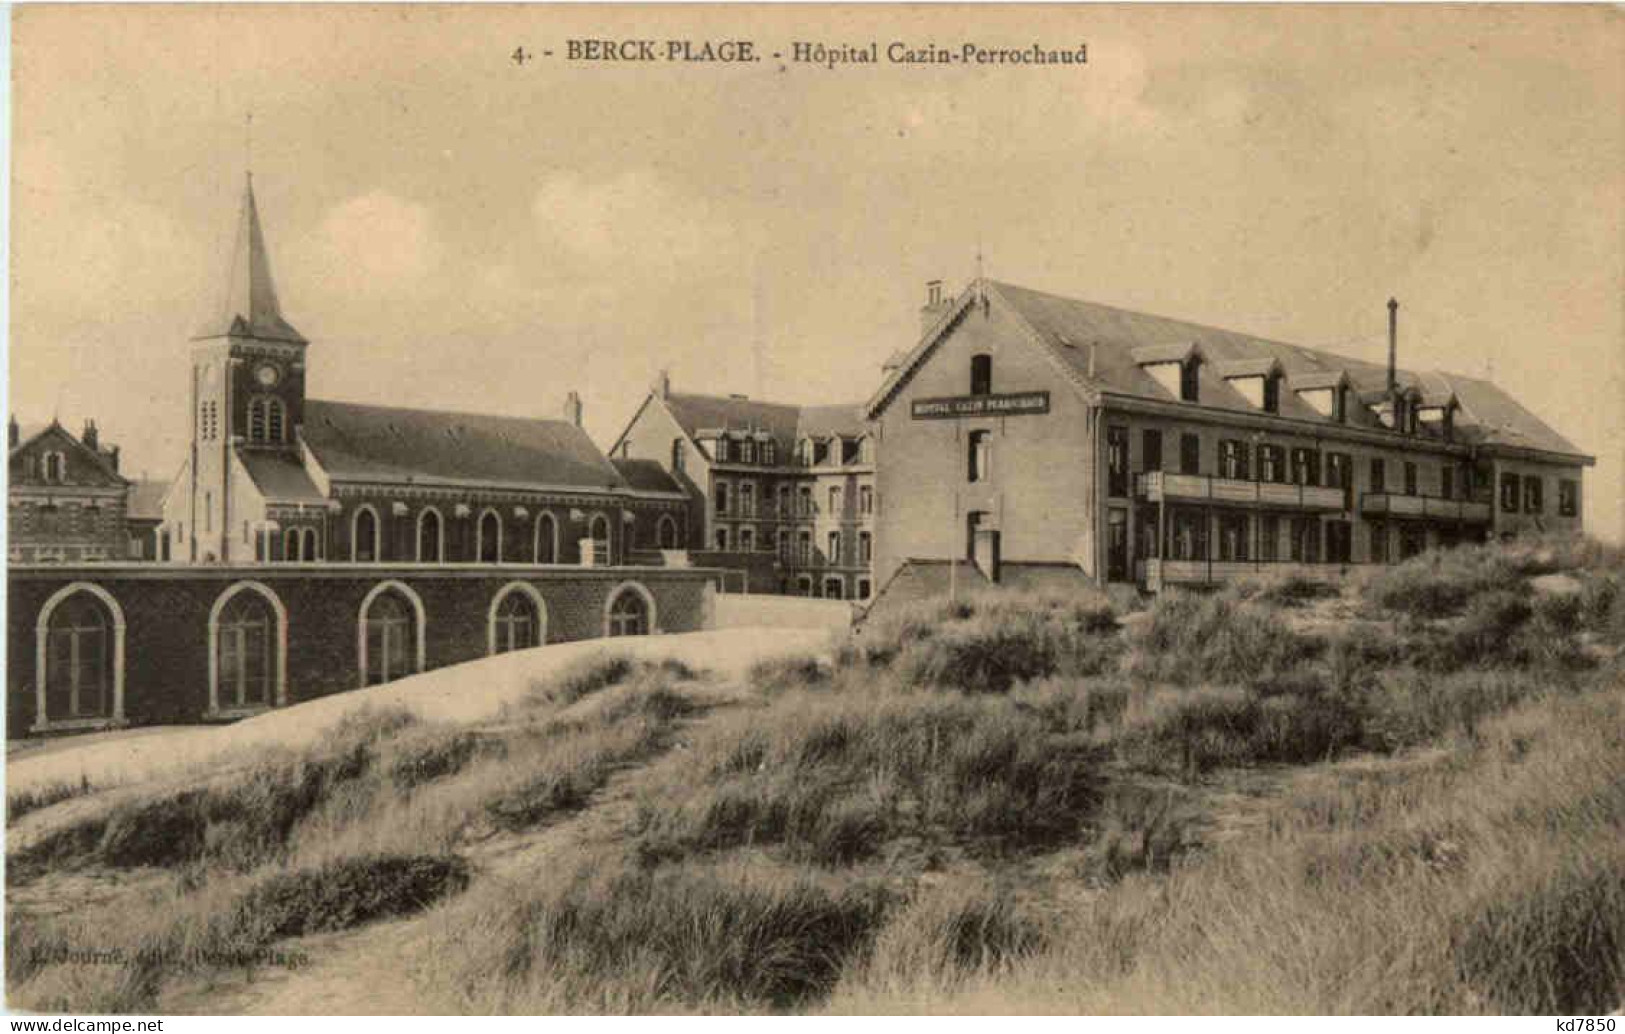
point(572, 408)
point(91, 439)
point(13, 432)
point(662, 385)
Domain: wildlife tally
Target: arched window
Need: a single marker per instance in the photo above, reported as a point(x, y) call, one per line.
point(292, 541)
point(666, 532)
point(430, 537)
point(266, 419)
point(547, 539)
point(598, 531)
point(310, 552)
point(679, 458)
point(246, 653)
point(629, 611)
point(79, 660)
point(518, 619)
point(364, 536)
point(391, 631)
point(55, 466)
point(490, 538)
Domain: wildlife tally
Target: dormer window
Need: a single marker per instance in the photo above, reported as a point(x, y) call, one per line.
point(1176, 367)
point(1324, 391)
point(1256, 380)
point(770, 453)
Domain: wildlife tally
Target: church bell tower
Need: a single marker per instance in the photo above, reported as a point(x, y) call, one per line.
point(247, 391)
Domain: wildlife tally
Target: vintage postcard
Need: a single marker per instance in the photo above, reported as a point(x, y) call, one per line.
point(769, 509)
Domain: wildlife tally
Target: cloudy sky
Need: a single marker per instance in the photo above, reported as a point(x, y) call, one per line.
point(455, 230)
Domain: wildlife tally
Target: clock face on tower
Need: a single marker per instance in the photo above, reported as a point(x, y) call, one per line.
point(267, 375)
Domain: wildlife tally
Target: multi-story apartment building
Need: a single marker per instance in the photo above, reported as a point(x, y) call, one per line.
point(66, 497)
point(782, 494)
point(1030, 429)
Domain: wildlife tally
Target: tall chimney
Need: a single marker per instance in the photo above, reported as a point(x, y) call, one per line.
point(934, 305)
point(112, 457)
point(13, 432)
point(90, 438)
point(1393, 344)
point(572, 408)
point(662, 385)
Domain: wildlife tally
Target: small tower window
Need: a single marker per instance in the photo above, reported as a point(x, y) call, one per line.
point(266, 418)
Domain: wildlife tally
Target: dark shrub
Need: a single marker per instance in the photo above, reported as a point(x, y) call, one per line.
point(693, 936)
point(166, 831)
point(1192, 638)
point(957, 928)
point(796, 671)
point(584, 677)
point(1556, 946)
point(1411, 706)
point(1294, 721)
point(346, 893)
point(432, 757)
point(22, 802)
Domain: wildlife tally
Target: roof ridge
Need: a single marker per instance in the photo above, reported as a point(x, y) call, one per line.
point(440, 412)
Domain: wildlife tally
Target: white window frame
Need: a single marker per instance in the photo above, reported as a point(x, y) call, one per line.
point(281, 681)
point(440, 537)
point(361, 627)
point(648, 602)
point(479, 535)
point(42, 652)
point(525, 589)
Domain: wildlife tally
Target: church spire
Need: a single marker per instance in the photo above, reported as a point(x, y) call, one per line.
point(250, 308)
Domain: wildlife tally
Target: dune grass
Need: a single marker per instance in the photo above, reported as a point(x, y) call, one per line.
point(1252, 800)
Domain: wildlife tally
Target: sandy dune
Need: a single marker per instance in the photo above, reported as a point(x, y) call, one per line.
point(461, 693)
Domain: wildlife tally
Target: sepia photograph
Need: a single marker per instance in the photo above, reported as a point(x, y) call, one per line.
point(805, 509)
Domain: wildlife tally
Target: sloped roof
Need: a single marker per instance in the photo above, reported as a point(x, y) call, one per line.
point(146, 500)
point(645, 475)
point(382, 443)
point(825, 421)
point(249, 306)
point(28, 434)
point(1066, 325)
point(697, 413)
point(786, 423)
point(279, 477)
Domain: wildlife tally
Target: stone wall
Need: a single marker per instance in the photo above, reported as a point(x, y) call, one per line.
point(163, 614)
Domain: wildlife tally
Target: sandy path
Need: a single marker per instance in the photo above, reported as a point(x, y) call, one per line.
point(377, 969)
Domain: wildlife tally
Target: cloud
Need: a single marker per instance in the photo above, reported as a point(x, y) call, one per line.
point(374, 245)
point(636, 226)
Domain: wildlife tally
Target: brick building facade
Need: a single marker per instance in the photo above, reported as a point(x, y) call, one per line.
point(100, 646)
point(66, 499)
point(782, 495)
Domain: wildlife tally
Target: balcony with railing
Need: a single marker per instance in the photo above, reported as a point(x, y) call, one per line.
point(1156, 574)
point(1162, 486)
point(1424, 507)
